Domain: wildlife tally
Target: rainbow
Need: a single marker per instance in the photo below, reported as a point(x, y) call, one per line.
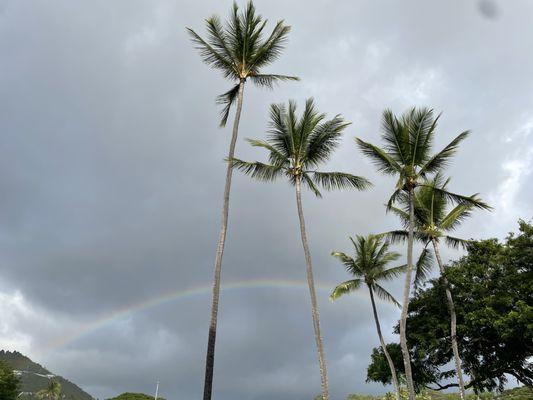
point(171, 296)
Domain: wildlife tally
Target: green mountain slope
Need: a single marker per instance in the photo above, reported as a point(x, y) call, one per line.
point(34, 377)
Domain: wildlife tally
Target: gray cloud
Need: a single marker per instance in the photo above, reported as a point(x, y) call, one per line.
point(488, 9)
point(111, 174)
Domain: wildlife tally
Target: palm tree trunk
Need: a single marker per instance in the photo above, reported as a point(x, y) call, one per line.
point(384, 346)
point(312, 292)
point(210, 357)
point(453, 324)
point(406, 294)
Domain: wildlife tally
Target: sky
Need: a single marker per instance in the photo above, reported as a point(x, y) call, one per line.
point(112, 171)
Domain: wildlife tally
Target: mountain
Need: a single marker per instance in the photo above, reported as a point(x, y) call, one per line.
point(34, 377)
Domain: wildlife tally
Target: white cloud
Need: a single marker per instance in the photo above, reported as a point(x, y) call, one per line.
point(13, 309)
point(414, 87)
point(517, 169)
point(26, 327)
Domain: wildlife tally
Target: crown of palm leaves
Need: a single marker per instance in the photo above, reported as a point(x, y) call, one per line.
point(298, 146)
point(240, 50)
point(369, 266)
point(433, 220)
point(407, 148)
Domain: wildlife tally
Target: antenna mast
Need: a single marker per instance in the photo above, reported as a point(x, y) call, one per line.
point(156, 390)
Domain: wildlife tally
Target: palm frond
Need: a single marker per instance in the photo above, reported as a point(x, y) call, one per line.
point(218, 40)
point(380, 255)
point(423, 267)
point(304, 127)
point(396, 138)
point(394, 198)
point(269, 80)
point(345, 288)
point(456, 243)
point(441, 159)
point(257, 170)
point(383, 294)
point(275, 156)
point(472, 201)
point(227, 99)
point(278, 135)
point(235, 29)
point(457, 215)
point(271, 49)
point(391, 273)
point(348, 262)
point(403, 215)
point(430, 206)
point(291, 120)
point(311, 185)
point(384, 162)
point(324, 139)
point(212, 57)
point(421, 129)
point(395, 236)
point(252, 27)
point(340, 180)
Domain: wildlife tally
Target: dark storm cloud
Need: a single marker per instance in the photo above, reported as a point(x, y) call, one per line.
point(488, 9)
point(111, 174)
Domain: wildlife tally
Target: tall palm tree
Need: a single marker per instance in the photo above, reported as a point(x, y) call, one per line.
point(433, 222)
point(369, 267)
point(240, 50)
point(297, 147)
point(52, 391)
point(408, 141)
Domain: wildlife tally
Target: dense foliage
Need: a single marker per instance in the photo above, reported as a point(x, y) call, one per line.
point(135, 396)
point(492, 285)
point(51, 392)
point(9, 382)
point(519, 393)
point(34, 378)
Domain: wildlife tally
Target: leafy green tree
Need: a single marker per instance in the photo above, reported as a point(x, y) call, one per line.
point(297, 147)
point(378, 370)
point(240, 50)
point(52, 391)
point(369, 267)
point(407, 154)
point(491, 287)
point(9, 382)
point(433, 223)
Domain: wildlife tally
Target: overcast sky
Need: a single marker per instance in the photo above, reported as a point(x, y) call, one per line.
point(112, 171)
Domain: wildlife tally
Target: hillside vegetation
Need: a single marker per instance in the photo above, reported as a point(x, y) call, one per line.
point(34, 377)
point(135, 396)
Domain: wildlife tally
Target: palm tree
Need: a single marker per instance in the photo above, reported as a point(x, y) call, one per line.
point(432, 224)
point(369, 267)
point(297, 147)
point(240, 51)
point(52, 391)
point(407, 154)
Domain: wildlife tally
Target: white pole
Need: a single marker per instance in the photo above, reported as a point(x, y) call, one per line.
point(156, 390)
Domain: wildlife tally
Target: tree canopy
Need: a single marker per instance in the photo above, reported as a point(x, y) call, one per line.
point(494, 304)
point(9, 382)
point(134, 396)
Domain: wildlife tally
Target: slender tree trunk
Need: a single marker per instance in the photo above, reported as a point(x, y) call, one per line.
point(453, 324)
point(312, 292)
point(384, 346)
point(405, 306)
point(210, 357)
